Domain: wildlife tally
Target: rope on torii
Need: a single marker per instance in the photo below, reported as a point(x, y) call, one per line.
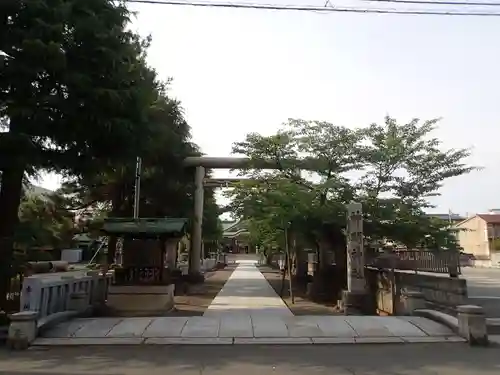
point(226, 182)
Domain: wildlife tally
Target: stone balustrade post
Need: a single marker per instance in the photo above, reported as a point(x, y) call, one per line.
point(412, 300)
point(22, 329)
point(281, 262)
point(100, 291)
point(472, 325)
point(78, 301)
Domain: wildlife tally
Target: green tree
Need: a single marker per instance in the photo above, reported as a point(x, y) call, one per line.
point(74, 90)
point(43, 223)
point(328, 152)
point(166, 186)
point(392, 169)
point(403, 167)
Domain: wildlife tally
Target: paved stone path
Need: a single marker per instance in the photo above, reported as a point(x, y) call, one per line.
point(240, 329)
point(247, 311)
point(248, 292)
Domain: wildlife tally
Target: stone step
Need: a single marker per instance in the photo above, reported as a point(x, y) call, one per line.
point(493, 326)
point(117, 341)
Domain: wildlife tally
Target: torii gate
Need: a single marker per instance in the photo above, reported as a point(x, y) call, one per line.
point(355, 256)
point(201, 163)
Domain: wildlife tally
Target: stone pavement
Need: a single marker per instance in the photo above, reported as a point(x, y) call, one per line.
point(248, 292)
point(389, 359)
point(240, 329)
point(247, 311)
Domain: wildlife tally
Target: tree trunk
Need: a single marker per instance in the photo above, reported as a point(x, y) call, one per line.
point(301, 266)
point(341, 265)
point(323, 249)
point(10, 199)
point(269, 257)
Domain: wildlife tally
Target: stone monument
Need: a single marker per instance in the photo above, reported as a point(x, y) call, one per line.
point(353, 299)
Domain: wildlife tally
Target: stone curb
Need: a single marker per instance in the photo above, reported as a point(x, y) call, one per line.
point(470, 324)
point(439, 317)
point(244, 341)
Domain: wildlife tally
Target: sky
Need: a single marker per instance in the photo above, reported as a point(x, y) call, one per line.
point(238, 71)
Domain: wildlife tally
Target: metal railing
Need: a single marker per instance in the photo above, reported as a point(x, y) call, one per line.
point(416, 260)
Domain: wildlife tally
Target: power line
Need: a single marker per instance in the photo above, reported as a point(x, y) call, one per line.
point(308, 8)
point(426, 2)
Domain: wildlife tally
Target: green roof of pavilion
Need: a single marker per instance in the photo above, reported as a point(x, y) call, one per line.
point(146, 226)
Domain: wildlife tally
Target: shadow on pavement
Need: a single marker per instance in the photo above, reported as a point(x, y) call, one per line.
point(384, 359)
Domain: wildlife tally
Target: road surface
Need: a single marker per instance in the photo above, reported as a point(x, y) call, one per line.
point(483, 287)
point(421, 359)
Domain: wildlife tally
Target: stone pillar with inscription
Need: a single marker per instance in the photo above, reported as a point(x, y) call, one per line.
point(354, 297)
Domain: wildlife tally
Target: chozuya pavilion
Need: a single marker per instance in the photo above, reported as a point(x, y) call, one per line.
point(144, 282)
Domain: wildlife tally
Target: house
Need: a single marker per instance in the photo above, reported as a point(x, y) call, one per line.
point(235, 237)
point(479, 235)
point(83, 240)
point(450, 217)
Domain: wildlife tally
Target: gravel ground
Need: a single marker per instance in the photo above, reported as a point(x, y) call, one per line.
point(302, 305)
point(201, 296)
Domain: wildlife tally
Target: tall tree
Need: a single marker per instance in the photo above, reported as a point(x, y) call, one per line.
point(328, 152)
point(75, 89)
point(166, 186)
point(43, 223)
point(404, 165)
point(391, 168)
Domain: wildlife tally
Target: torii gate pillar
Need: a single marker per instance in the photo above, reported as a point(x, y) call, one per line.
point(196, 234)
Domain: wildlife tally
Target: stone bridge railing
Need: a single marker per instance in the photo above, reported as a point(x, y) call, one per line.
point(389, 291)
point(47, 299)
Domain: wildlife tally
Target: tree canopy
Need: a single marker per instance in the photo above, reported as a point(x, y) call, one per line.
point(392, 169)
point(43, 223)
point(77, 97)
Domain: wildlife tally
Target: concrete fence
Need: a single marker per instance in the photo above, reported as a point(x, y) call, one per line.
point(389, 291)
point(48, 299)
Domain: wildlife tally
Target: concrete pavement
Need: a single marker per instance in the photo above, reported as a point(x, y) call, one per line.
point(247, 311)
point(389, 359)
point(247, 292)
